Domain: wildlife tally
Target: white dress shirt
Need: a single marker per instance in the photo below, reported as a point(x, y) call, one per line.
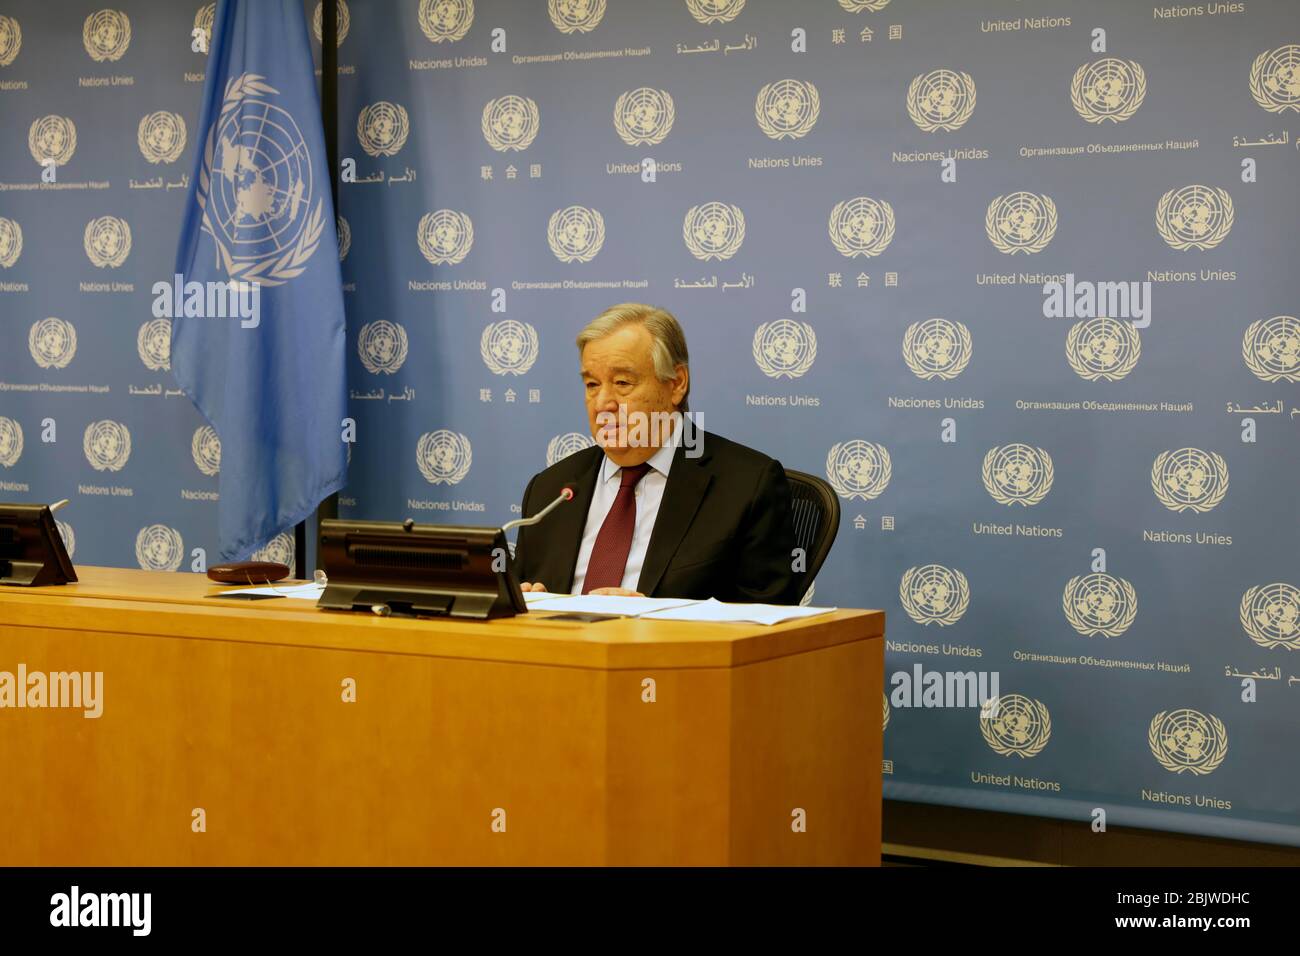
point(649, 494)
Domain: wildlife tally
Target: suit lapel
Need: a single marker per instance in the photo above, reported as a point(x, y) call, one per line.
point(567, 523)
point(687, 481)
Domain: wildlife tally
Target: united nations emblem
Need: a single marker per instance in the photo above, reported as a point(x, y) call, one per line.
point(1189, 479)
point(11, 242)
point(1194, 217)
point(1017, 474)
point(161, 136)
point(159, 548)
point(714, 230)
point(11, 39)
point(1015, 724)
point(52, 139)
point(382, 128)
point(576, 16)
point(858, 469)
point(937, 348)
point(575, 233)
point(445, 236)
point(256, 187)
point(934, 594)
point(382, 346)
point(787, 108)
point(107, 241)
point(69, 538)
point(715, 11)
point(784, 348)
point(508, 347)
point(278, 550)
point(562, 446)
point(445, 20)
point(941, 99)
point(203, 21)
point(510, 122)
point(1275, 79)
point(107, 445)
point(106, 35)
point(53, 342)
point(1021, 222)
point(861, 226)
point(11, 442)
point(1099, 604)
point(206, 449)
point(344, 233)
point(644, 116)
point(884, 717)
point(443, 456)
point(1270, 615)
point(807, 599)
point(342, 21)
point(1102, 349)
point(857, 6)
point(1270, 347)
point(1108, 89)
point(154, 343)
point(1188, 740)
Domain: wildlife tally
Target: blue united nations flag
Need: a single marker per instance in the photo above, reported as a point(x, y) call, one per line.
point(258, 339)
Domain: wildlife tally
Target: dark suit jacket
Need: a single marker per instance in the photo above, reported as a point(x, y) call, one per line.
point(724, 528)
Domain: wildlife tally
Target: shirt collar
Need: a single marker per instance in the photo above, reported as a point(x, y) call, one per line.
point(661, 461)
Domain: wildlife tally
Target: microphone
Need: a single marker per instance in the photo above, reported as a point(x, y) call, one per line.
point(566, 494)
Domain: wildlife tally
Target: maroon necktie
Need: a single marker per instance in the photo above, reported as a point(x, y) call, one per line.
point(609, 554)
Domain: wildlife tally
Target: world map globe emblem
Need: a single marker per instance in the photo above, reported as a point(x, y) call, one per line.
point(1099, 604)
point(1275, 79)
point(562, 446)
point(575, 233)
point(52, 342)
point(576, 16)
point(1194, 217)
point(445, 20)
point(205, 447)
point(1021, 222)
point(1189, 479)
point(715, 11)
point(107, 241)
point(11, 242)
point(278, 550)
point(784, 348)
point(443, 456)
point(344, 233)
point(1019, 725)
point(106, 35)
point(861, 226)
point(644, 116)
point(159, 548)
point(153, 342)
point(1108, 89)
point(941, 100)
point(858, 469)
point(11, 442)
point(382, 128)
point(161, 136)
point(714, 230)
point(52, 139)
point(933, 594)
point(787, 109)
point(11, 40)
point(1270, 615)
point(937, 348)
point(445, 237)
point(1017, 474)
point(342, 22)
point(382, 346)
point(203, 18)
point(510, 123)
point(69, 537)
point(107, 445)
point(1271, 349)
point(1188, 741)
point(1102, 349)
point(509, 347)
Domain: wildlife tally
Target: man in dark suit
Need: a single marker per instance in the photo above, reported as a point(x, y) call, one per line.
point(659, 508)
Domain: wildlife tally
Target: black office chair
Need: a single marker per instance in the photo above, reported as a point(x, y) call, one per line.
point(816, 510)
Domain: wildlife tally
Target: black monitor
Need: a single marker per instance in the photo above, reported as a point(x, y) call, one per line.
point(31, 549)
point(403, 568)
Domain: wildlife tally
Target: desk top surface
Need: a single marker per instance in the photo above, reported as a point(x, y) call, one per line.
point(180, 606)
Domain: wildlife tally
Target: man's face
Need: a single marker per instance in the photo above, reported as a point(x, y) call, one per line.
point(618, 373)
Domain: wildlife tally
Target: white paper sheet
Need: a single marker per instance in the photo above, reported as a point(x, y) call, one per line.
point(606, 604)
point(295, 592)
point(713, 611)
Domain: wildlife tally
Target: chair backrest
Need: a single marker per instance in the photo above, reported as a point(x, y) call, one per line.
point(816, 510)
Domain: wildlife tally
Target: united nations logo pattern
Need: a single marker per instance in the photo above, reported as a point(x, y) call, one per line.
point(1271, 349)
point(161, 136)
point(106, 35)
point(443, 456)
point(1188, 741)
point(937, 348)
point(344, 233)
point(1018, 725)
point(510, 123)
point(445, 21)
point(784, 348)
point(52, 139)
point(858, 469)
point(159, 548)
point(884, 718)
point(445, 237)
point(575, 233)
point(1099, 604)
point(154, 343)
point(1108, 89)
point(934, 594)
point(1270, 615)
point(11, 442)
point(11, 39)
point(1189, 479)
point(107, 445)
point(206, 449)
point(715, 11)
point(11, 242)
point(382, 128)
point(382, 346)
point(576, 16)
point(857, 6)
point(1102, 349)
point(562, 446)
point(1194, 217)
point(53, 342)
point(508, 347)
point(278, 550)
point(861, 226)
point(941, 100)
point(644, 116)
point(787, 109)
point(107, 241)
point(1275, 79)
point(203, 19)
point(1021, 222)
point(342, 22)
point(68, 536)
point(714, 230)
point(1017, 474)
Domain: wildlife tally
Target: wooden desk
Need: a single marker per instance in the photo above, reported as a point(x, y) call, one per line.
point(237, 709)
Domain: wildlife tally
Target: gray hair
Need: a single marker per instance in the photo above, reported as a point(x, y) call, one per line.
point(668, 341)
